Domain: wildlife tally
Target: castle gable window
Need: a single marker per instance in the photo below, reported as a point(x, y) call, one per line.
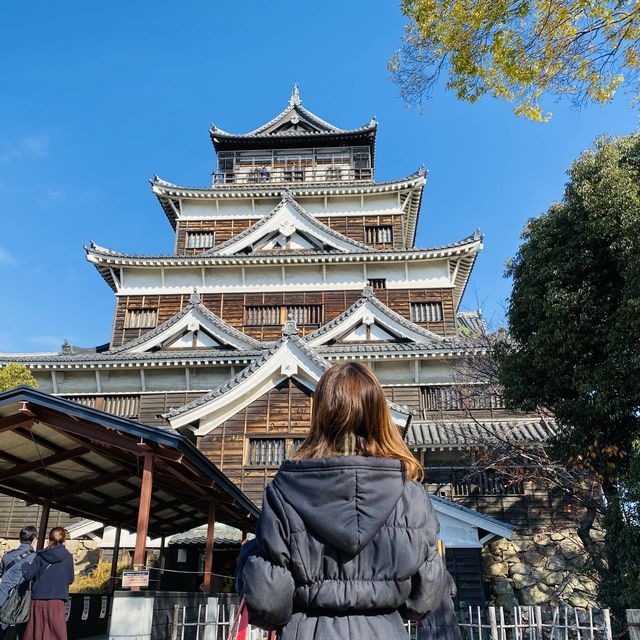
point(426, 311)
point(200, 239)
point(379, 234)
point(271, 452)
point(303, 314)
point(141, 318)
point(377, 283)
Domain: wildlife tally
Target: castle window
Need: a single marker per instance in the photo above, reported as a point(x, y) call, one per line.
point(200, 239)
point(271, 452)
point(379, 234)
point(143, 318)
point(426, 311)
point(377, 283)
point(262, 315)
point(303, 314)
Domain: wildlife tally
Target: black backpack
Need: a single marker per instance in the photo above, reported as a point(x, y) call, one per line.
point(16, 608)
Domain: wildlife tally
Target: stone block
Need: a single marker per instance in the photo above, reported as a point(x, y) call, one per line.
point(532, 596)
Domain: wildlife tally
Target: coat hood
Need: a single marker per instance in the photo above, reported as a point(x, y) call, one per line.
point(344, 501)
point(53, 555)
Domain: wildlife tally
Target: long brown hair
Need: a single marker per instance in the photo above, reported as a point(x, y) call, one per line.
point(350, 415)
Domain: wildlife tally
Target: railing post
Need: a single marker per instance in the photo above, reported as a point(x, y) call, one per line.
point(493, 622)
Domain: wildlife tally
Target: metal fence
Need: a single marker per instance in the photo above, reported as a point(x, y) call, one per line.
point(476, 623)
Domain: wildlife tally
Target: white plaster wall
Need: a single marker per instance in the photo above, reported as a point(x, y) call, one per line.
point(394, 371)
point(263, 275)
point(182, 277)
point(165, 379)
point(76, 381)
point(133, 278)
point(117, 381)
point(43, 378)
point(208, 377)
point(223, 277)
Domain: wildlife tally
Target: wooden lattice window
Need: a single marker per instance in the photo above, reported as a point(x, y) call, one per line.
point(459, 398)
point(271, 452)
point(200, 239)
point(261, 315)
point(426, 311)
point(379, 234)
point(377, 283)
point(141, 318)
point(303, 314)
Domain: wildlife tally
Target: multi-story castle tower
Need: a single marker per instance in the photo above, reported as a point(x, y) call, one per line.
point(294, 258)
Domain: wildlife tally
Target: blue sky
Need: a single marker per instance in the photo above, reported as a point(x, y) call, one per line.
point(97, 97)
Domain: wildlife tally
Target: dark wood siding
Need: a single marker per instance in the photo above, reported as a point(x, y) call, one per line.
point(465, 566)
point(223, 230)
point(16, 514)
point(284, 411)
point(230, 307)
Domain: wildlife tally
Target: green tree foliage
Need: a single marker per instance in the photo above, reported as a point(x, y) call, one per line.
point(519, 50)
point(574, 318)
point(13, 375)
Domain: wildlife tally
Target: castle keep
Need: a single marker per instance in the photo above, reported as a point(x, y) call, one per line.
point(293, 258)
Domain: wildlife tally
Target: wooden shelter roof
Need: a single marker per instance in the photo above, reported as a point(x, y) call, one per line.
point(89, 463)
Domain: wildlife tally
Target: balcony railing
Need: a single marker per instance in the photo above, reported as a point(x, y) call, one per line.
point(461, 481)
point(292, 174)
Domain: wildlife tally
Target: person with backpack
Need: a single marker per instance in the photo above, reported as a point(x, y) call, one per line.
point(346, 544)
point(11, 575)
point(52, 573)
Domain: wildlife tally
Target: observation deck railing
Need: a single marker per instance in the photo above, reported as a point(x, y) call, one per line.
point(297, 174)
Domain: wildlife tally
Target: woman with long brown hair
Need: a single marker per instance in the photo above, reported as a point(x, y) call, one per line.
point(52, 573)
point(347, 540)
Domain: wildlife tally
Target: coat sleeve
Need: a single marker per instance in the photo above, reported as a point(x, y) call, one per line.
point(70, 572)
point(30, 569)
point(263, 577)
point(432, 582)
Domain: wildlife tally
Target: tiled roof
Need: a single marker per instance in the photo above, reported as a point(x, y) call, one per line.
point(482, 432)
point(248, 370)
point(223, 535)
point(471, 324)
point(292, 114)
point(427, 252)
point(194, 305)
point(369, 297)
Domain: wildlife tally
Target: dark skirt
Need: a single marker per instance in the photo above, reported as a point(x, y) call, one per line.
point(47, 621)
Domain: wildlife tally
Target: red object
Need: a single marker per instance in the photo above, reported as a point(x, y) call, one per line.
point(240, 625)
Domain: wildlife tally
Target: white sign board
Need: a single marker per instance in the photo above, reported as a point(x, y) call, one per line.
point(85, 608)
point(135, 578)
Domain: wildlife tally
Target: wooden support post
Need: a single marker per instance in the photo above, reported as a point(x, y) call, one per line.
point(161, 560)
point(114, 561)
point(633, 620)
point(208, 552)
point(144, 508)
point(44, 525)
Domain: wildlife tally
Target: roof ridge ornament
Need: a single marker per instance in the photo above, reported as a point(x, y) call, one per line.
point(367, 292)
point(287, 196)
point(195, 297)
point(294, 100)
point(290, 327)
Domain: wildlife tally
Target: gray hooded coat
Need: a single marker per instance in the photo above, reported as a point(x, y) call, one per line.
point(344, 548)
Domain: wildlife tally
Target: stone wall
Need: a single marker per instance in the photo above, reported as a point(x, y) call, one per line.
point(84, 552)
point(538, 568)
